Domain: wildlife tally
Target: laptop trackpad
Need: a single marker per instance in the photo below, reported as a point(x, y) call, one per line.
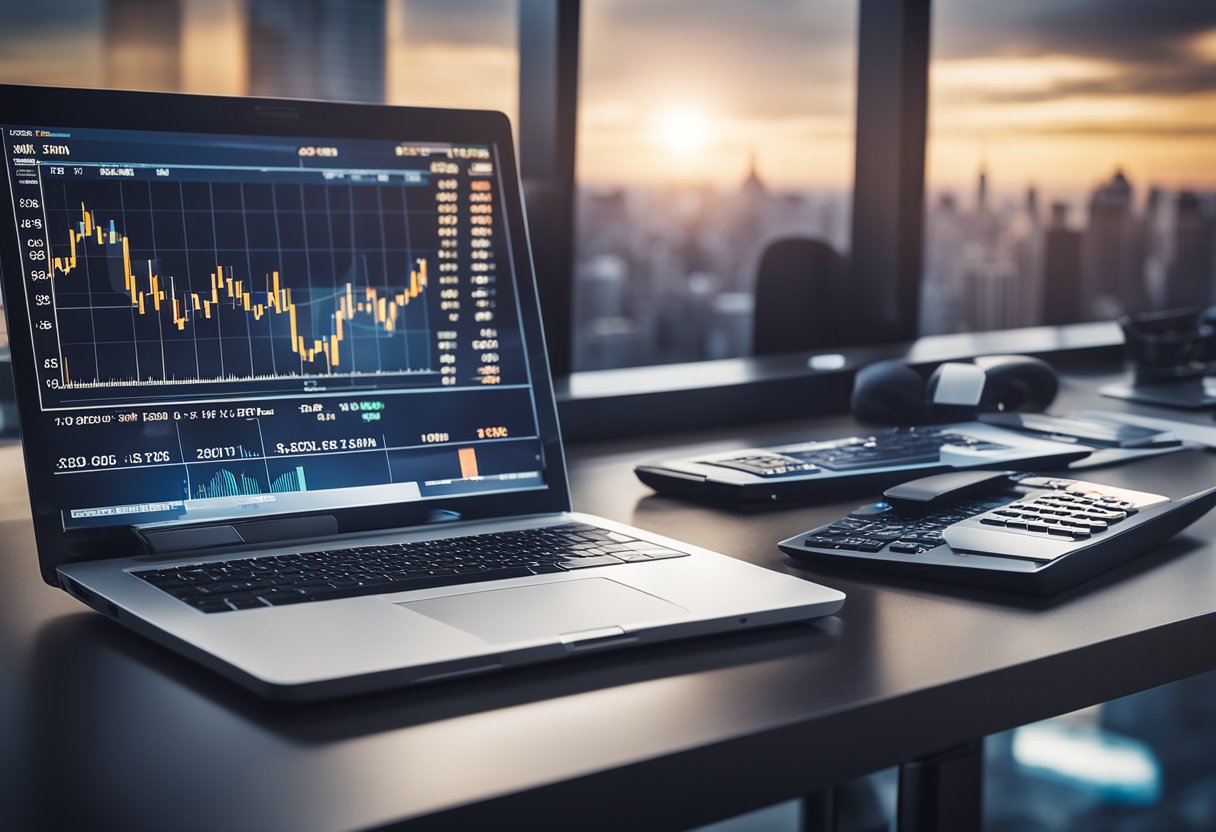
point(499, 616)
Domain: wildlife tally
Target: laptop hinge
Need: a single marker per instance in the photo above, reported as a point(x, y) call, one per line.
point(161, 541)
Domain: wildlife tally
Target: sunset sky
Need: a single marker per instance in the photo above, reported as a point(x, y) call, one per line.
point(1055, 92)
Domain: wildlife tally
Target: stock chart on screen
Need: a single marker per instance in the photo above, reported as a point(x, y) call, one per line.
point(226, 326)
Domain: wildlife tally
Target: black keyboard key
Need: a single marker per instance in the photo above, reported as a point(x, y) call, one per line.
point(859, 544)
point(766, 464)
point(169, 582)
point(849, 525)
point(284, 596)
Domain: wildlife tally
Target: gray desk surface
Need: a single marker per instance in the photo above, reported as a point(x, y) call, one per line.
point(104, 726)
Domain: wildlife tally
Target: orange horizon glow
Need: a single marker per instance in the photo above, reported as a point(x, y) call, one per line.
point(1027, 119)
point(1005, 113)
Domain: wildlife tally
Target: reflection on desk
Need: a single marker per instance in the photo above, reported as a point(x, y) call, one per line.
point(109, 730)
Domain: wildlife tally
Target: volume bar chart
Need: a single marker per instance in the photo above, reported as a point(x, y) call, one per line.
point(226, 483)
point(290, 481)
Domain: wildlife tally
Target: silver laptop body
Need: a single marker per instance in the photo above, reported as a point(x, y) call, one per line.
point(368, 370)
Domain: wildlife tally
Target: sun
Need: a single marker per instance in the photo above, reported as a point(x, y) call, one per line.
point(682, 130)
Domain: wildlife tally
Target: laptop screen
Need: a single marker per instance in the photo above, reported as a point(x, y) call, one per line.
point(234, 326)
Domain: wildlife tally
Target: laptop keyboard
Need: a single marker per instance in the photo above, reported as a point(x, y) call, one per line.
point(251, 582)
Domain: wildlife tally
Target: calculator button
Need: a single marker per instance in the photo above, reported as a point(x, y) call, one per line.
point(821, 541)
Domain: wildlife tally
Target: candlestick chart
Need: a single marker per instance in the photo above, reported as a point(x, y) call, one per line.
point(154, 284)
point(226, 326)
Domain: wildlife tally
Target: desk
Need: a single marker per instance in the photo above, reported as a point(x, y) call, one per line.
point(109, 730)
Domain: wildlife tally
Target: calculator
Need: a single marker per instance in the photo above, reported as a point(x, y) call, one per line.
point(1019, 532)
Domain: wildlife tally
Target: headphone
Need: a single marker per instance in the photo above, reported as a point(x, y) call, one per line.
point(1163, 346)
point(894, 393)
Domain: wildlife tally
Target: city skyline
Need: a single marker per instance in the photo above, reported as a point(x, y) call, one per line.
point(706, 130)
point(1035, 90)
point(681, 289)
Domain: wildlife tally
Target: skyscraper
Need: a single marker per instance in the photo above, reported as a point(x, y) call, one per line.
point(1157, 228)
point(330, 49)
point(1032, 203)
point(1113, 272)
point(143, 40)
point(752, 217)
point(1023, 239)
point(1191, 273)
point(1062, 297)
point(993, 296)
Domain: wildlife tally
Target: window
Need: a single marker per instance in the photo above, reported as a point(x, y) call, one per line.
point(439, 53)
point(705, 130)
point(1071, 163)
point(449, 53)
point(454, 53)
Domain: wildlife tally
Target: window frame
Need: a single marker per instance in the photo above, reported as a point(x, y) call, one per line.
point(674, 398)
point(893, 52)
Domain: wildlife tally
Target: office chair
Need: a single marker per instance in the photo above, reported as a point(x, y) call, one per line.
point(801, 300)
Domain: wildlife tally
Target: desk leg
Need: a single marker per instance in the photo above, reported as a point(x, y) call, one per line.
point(853, 806)
point(944, 791)
point(819, 811)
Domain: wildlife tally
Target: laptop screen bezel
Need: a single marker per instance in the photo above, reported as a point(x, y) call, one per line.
point(174, 112)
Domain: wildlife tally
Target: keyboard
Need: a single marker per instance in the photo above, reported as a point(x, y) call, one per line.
point(900, 446)
point(1067, 515)
point(826, 468)
point(1021, 532)
point(274, 580)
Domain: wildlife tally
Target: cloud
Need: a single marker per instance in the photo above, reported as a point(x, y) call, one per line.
point(1046, 79)
point(1138, 130)
point(781, 58)
point(1147, 49)
point(69, 59)
point(1130, 31)
point(460, 22)
point(44, 19)
point(778, 24)
point(1160, 81)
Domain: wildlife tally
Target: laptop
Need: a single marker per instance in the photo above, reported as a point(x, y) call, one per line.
point(285, 401)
